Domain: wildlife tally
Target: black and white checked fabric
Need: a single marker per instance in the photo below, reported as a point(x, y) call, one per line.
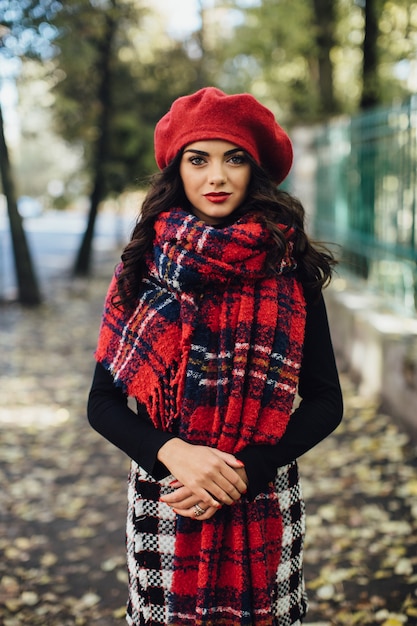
point(290, 603)
point(150, 540)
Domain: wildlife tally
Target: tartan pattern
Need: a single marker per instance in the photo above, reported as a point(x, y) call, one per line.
point(212, 338)
point(213, 350)
point(151, 532)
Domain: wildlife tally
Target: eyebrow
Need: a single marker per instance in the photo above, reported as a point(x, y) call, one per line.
point(202, 153)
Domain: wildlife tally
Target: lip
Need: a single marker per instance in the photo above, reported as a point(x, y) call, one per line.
point(217, 198)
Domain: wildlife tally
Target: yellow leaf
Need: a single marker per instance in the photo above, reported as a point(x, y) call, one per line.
point(316, 583)
point(30, 598)
point(48, 559)
point(119, 613)
point(411, 611)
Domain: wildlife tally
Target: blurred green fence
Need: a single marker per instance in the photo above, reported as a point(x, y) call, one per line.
point(366, 198)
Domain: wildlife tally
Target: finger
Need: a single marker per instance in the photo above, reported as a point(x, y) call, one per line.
point(182, 503)
point(211, 495)
point(220, 489)
point(216, 497)
point(177, 495)
point(208, 514)
point(185, 495)
point(183, 498)
point(235, 477)
point(228, 458)
point(233, 488)
point(191, 513)
point(243, 475)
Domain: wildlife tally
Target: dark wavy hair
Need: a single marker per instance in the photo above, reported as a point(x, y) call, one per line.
point(315, 262)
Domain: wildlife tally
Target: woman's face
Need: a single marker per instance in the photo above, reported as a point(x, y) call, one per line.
point(215, 175)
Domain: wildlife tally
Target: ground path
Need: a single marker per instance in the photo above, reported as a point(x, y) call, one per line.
point(63, 496)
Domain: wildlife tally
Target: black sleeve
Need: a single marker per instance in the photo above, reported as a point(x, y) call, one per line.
point(319, 413)
point(320, 410)
point(109, 414)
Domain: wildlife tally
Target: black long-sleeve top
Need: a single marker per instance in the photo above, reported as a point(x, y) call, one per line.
point(318, 414)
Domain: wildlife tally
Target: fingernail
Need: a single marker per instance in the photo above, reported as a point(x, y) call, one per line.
point(239, 462)
point(172, 482)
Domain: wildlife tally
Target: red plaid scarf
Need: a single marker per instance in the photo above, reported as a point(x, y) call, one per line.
point(213, 349)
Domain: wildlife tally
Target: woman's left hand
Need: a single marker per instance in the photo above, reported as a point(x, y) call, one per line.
point(184, 503)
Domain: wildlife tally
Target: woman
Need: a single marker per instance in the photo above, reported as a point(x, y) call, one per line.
point(213, 321)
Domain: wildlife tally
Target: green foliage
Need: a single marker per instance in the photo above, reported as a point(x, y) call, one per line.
point(275, 49)
point(141, 94)
point(397, 48)
point(141, 87)
point(275, 52)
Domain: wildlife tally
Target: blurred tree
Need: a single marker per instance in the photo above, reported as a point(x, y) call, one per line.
point(101, 145)
point(23, 32)
point(309, 59)
point(27, 282)
point(275, 51)
point(203, 50)
point(45, 165)
point(325, 29)
point(115, 75)
point(371, 93)
point(112, 87)
point(396, 49)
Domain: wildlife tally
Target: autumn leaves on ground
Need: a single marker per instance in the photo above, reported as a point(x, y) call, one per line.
point(63, 489)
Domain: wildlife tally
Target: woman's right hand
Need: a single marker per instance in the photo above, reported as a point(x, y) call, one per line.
point(210, 476)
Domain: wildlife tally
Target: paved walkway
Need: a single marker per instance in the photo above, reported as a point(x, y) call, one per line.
point(63, 495)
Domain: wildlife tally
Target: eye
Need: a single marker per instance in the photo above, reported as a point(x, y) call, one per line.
point(237, 159)
point(196, 160)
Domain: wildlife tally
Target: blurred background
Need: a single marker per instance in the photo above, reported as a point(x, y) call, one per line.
point(82, 84)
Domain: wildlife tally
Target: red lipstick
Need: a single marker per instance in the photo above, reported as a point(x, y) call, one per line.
point(217, 198)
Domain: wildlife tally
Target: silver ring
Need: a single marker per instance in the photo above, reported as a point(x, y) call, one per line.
point(198, 510)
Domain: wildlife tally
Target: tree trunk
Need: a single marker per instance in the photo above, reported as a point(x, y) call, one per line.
point(325, 27)
point(370, 86)
point(368, 158)
point(28, 288)
point(82, 266)
point(202, 74)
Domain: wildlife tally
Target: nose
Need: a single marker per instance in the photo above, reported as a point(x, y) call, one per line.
point(217, 175)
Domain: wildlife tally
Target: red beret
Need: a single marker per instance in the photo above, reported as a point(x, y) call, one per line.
point(241, 119)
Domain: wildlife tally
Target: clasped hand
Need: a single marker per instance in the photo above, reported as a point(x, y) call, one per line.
point(206, 478)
